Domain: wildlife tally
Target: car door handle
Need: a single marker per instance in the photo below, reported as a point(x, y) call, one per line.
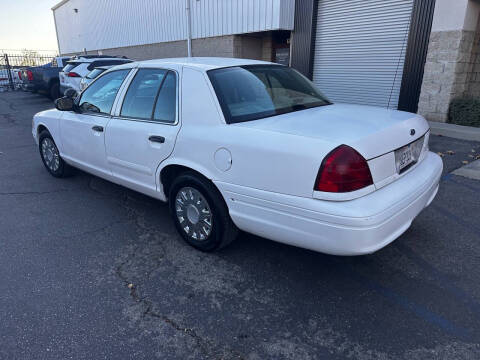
point(97, 128)
point(158, 139)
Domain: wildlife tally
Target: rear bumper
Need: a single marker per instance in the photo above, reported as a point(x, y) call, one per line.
point(354, 227)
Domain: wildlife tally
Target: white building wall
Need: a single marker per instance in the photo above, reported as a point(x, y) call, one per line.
point(117, 23)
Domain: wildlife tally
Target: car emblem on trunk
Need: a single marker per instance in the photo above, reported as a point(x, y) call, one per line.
point(412, 132)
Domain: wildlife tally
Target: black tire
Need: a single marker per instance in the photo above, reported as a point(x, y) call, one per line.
point(222, 232)
point(54, 91)
point(62, 169)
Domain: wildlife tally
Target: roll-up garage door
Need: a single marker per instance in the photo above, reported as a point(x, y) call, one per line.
point(360, 50)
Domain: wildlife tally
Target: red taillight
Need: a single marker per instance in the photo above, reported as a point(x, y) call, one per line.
point(20, 75)
point(29, 75)
point(343, 170)
point(73, 74)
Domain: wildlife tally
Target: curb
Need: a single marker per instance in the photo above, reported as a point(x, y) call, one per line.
point(455, 131)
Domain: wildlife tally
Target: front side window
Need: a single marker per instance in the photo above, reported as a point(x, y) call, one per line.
point(100, 96)
point(151, 96)
point(254, 92)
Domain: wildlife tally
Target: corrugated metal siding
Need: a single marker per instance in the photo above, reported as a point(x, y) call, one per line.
point(118, 23)
point(360, 50)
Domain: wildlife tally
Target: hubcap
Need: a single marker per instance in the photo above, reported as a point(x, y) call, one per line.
point(193, 213)
point(50, 154)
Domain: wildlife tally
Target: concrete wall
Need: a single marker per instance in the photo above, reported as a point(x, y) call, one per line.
point(256, 46)
point(452, 64)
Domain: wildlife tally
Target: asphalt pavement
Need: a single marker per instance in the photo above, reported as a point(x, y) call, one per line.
point(91, 270)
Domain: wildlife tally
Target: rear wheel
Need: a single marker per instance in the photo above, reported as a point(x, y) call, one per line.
point(54, 91)
point(51, 156)
point(200, 213)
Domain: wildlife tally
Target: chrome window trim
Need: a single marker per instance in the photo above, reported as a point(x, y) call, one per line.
point(121, 92)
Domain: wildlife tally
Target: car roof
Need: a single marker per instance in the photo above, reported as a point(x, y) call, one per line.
point(105, 67)
point(204, 63)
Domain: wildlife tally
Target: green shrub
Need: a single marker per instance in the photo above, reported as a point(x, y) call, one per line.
point(465, 111)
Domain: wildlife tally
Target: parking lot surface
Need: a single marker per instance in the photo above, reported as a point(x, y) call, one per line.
point(91, 270)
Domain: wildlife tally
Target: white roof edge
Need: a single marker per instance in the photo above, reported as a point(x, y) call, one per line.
point(206, 63)
point(55, 7)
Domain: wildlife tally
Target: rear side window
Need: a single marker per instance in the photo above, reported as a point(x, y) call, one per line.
point(69, 67)
point(142, 93)
point(99, 96)
point(94, 73)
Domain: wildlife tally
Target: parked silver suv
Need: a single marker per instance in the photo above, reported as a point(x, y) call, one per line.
point(79, 66)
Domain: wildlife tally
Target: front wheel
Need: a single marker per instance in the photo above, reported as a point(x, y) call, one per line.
point(200, 213)
point(51, 156)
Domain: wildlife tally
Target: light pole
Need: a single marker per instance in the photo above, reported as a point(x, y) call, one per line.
point(188, 10)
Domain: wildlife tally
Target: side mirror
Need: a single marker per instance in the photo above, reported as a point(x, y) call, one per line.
point(71, 93)
point(64, 104)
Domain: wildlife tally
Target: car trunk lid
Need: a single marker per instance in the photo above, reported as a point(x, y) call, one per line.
point(370, 130)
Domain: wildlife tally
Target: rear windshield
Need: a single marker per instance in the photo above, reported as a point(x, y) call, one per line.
point(70, 66)
point(62, 60)
point(258, 91)
point(94, 73)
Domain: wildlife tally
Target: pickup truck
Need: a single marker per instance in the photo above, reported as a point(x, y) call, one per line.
point(45, 78)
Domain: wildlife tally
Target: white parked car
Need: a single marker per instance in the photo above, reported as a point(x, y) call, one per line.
point(242, 144)
point(79, 66)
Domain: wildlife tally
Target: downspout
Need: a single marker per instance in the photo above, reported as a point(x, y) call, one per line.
point(189, 28)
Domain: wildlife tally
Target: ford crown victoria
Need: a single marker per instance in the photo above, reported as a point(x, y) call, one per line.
point(241, 144)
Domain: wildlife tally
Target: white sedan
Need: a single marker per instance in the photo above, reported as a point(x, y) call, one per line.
point(241, 144)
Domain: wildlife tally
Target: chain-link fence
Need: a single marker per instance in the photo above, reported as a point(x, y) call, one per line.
point(13, 64)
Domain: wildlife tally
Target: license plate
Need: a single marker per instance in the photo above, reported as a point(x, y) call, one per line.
point(404, 157)
point(408, 154)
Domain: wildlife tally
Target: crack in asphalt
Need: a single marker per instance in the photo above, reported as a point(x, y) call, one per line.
point(203, 344)
point(207, 347)
point(148, 309)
